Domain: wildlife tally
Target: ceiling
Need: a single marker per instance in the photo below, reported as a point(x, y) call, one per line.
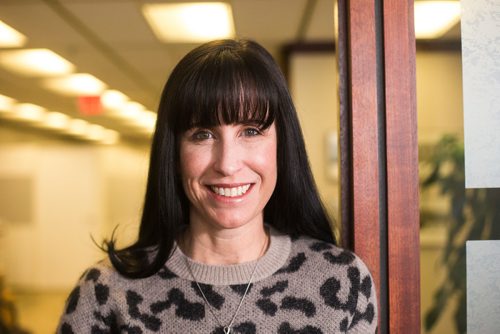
point(111, 40)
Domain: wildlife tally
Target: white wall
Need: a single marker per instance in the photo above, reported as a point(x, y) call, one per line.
point(70, 203)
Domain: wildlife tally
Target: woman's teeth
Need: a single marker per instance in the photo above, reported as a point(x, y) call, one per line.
point(230, 192)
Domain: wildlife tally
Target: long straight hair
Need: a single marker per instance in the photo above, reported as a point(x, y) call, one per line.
point(222, 82)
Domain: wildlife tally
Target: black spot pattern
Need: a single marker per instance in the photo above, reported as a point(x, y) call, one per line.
point(286, 328)
point(267, 306)
point(295, 263)
point(98, 330)
point(184, 308)
point(133, 302)
point(366, 287)
point(165, 273)
point(101, 293)
point(320, 246)
point(343, 258)
point(300, 304)
point(130, 330)
point(368, 315)
point(243, 328)
point(93, 275)
point(73, 298)
point(66, 329)
point(332, 286)
point(343, 324)
point(240, 288)
point(109, 320)
point(215, 299)
point(279, 286)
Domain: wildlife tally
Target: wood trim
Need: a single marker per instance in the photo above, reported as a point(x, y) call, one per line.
point(380, 213)
point(402, 167)
point(363, 135)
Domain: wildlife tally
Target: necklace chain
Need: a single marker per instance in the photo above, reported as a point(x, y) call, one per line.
point(226, 329)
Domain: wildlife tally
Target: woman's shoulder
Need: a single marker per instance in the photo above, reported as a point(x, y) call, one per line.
point(100, 271)
point(327, 255)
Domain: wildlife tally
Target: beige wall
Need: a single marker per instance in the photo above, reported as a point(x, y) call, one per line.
point(440, 112)
point(439, 95)
point(312, 81)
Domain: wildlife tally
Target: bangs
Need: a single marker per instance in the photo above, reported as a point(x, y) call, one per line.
point(226, 90)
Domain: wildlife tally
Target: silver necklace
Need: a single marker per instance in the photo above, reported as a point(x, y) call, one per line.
point(227, 329)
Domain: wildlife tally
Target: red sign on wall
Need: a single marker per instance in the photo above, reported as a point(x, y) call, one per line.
point(89, 105)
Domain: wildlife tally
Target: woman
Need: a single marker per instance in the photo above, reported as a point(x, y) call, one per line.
point(233, 238)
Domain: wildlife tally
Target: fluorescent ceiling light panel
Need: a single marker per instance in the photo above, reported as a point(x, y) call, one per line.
point(35, 62)
point(95, 132)
point(76, 85)
point(28, 112)
point(110, 137)
point(10, 38)
point(6, 103)
point(56, 120)
point(113, 99)
point(147, 120)
point(190, 22)
point(130, 110)
point(434, 18)
point(77, 127)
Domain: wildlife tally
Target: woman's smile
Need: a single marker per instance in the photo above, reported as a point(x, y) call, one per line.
point(231, 191)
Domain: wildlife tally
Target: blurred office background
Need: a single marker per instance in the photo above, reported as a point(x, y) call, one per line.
point(76, 122)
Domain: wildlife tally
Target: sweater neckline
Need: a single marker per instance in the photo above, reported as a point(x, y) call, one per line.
point(274, 258)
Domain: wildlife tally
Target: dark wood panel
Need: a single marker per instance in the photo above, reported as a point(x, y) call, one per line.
point(342, 54)
point(402, 167)
point(364, 134)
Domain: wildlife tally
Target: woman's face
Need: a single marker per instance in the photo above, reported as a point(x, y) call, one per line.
point(228, 173)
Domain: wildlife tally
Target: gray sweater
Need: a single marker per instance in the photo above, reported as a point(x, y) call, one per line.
point(300, 285)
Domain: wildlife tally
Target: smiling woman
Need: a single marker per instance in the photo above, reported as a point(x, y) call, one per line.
point(233, 237)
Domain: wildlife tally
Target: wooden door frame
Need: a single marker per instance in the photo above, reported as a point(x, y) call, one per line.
point(379, 152)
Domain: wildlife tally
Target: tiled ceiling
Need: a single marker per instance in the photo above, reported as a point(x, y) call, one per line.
point(111, 40)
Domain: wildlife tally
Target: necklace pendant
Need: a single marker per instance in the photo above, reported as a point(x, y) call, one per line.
point(227, 330)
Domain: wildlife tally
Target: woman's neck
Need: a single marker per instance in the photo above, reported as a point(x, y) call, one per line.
point(225, 246)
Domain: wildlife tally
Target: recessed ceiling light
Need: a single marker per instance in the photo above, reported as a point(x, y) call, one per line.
point(76, 85)
point(190, 22)
point(434, 18)
point(35, 62)
point(10, 38)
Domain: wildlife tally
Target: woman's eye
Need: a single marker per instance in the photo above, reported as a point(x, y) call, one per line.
point(251, 132)
point(202, 135)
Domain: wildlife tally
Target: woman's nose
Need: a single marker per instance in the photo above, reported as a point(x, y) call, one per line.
point(228, 157)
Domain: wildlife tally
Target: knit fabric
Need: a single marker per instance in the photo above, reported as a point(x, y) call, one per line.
point(301, 286)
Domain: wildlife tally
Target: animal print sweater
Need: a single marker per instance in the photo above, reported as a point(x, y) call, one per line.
point(300, 285)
